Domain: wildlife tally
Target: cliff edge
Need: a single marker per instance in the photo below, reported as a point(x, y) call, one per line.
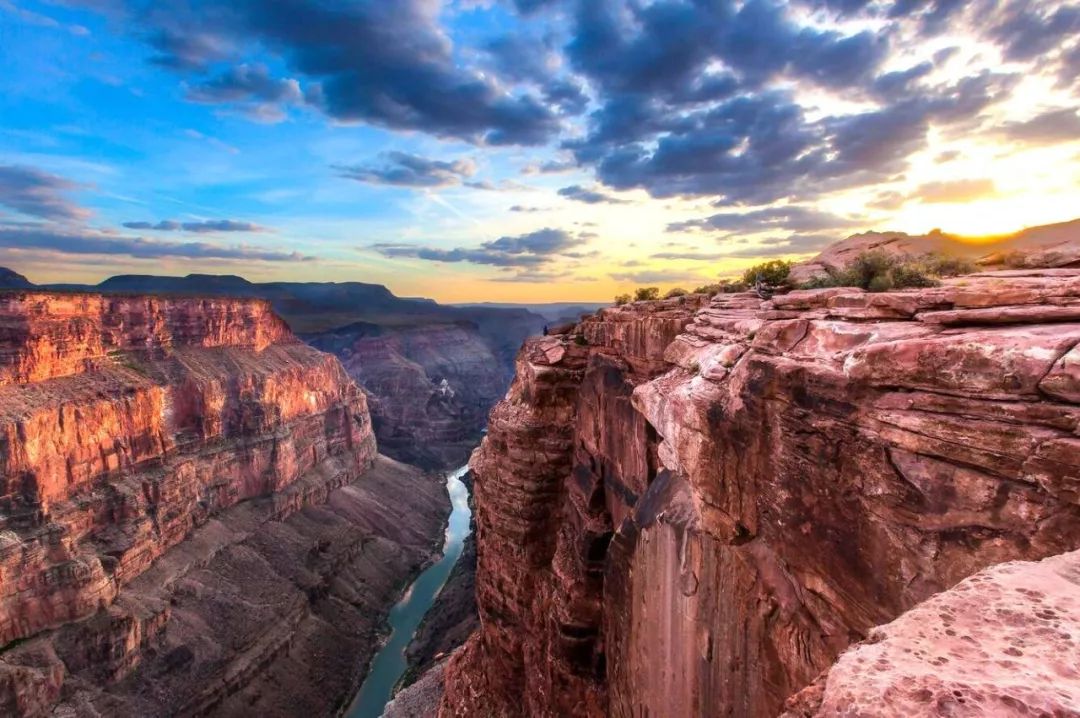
point(694, 506)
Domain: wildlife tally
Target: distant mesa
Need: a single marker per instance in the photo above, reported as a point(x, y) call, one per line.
point(13, 280)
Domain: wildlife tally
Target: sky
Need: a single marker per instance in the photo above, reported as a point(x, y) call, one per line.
point(521, 150)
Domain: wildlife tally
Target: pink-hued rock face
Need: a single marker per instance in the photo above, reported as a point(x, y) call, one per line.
point(128, 422)
point(696, 508)
point(1003, 642)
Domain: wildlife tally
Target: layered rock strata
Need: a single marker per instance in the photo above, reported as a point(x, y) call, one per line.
point(134, 433)
point(693, 507)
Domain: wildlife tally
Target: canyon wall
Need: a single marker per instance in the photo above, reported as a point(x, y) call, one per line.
point(430, 386)
point(692, 507)
point(187, 494)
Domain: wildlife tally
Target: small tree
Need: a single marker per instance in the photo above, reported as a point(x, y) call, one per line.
point(622, 299)
point(646, 294)
point(773, 273)
point(676, 292)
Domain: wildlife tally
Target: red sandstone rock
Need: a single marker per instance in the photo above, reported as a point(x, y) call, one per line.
point(127, 424)
point(1003, 642)
point(698, 510)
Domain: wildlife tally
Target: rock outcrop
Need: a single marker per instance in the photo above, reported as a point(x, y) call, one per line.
point(1003, 642)
point(187, 494)
point(693, 507)
point(1047, 246)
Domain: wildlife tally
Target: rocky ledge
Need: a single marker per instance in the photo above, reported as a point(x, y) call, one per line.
point(693, 507)
point(189, 500)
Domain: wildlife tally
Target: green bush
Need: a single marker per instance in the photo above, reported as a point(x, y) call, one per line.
point(646, 294)
point(724, 286)
point(773, 273)
point(622, 299)
point(877, 271)
point(676, 292)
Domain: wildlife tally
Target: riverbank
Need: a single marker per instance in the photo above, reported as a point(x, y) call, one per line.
point(391, 663)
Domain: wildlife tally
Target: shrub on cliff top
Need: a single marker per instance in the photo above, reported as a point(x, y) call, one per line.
point(724, 286)
point(646, 294)
point(774, 273)
point(676, 292)
point(621, 299)
point(877, 271)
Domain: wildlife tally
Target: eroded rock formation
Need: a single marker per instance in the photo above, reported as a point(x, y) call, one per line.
point(189, 496)
point(692, 507)
point(1003, 642)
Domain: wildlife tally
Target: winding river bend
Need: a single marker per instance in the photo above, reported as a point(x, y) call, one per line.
point(405, 617)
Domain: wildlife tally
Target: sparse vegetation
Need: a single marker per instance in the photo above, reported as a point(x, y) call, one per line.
point(622, 299)
point(773, 273)
point(724, 286)
point(580, 340)
point(676, 292)
point(646, 294)
point(877, 271)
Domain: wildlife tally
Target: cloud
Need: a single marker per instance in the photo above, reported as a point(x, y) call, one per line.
point(211, 225)
point(86, 242)
point(523, 208)
point(186, 50)
point(386, 64)
point(39, 194)
point(772, 246)
point(793, 218)
point(589, 196)
point(962, 190)
point(251, 88)
point(550, 167)
point(402, 169)
point(1047, 128)
point(525, 251)
point(657, 276)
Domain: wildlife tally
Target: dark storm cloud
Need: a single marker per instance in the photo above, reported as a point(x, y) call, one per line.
point(388, 64)
point(202, 227)
point(83, 242)
point(407, 170)
point(589, 196)
point(795, 219)
point(1050, 127)
point(526, 251)
point(39, 194)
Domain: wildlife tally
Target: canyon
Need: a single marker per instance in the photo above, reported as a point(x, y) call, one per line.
point(194, 519)
point(430, 372)
point(709, 506)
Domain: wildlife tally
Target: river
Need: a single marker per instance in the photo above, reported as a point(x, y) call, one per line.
point(405, 617)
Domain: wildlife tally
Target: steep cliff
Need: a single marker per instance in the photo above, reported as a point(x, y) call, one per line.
point(692, 507)
point(163, 462)
point(430, 386)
